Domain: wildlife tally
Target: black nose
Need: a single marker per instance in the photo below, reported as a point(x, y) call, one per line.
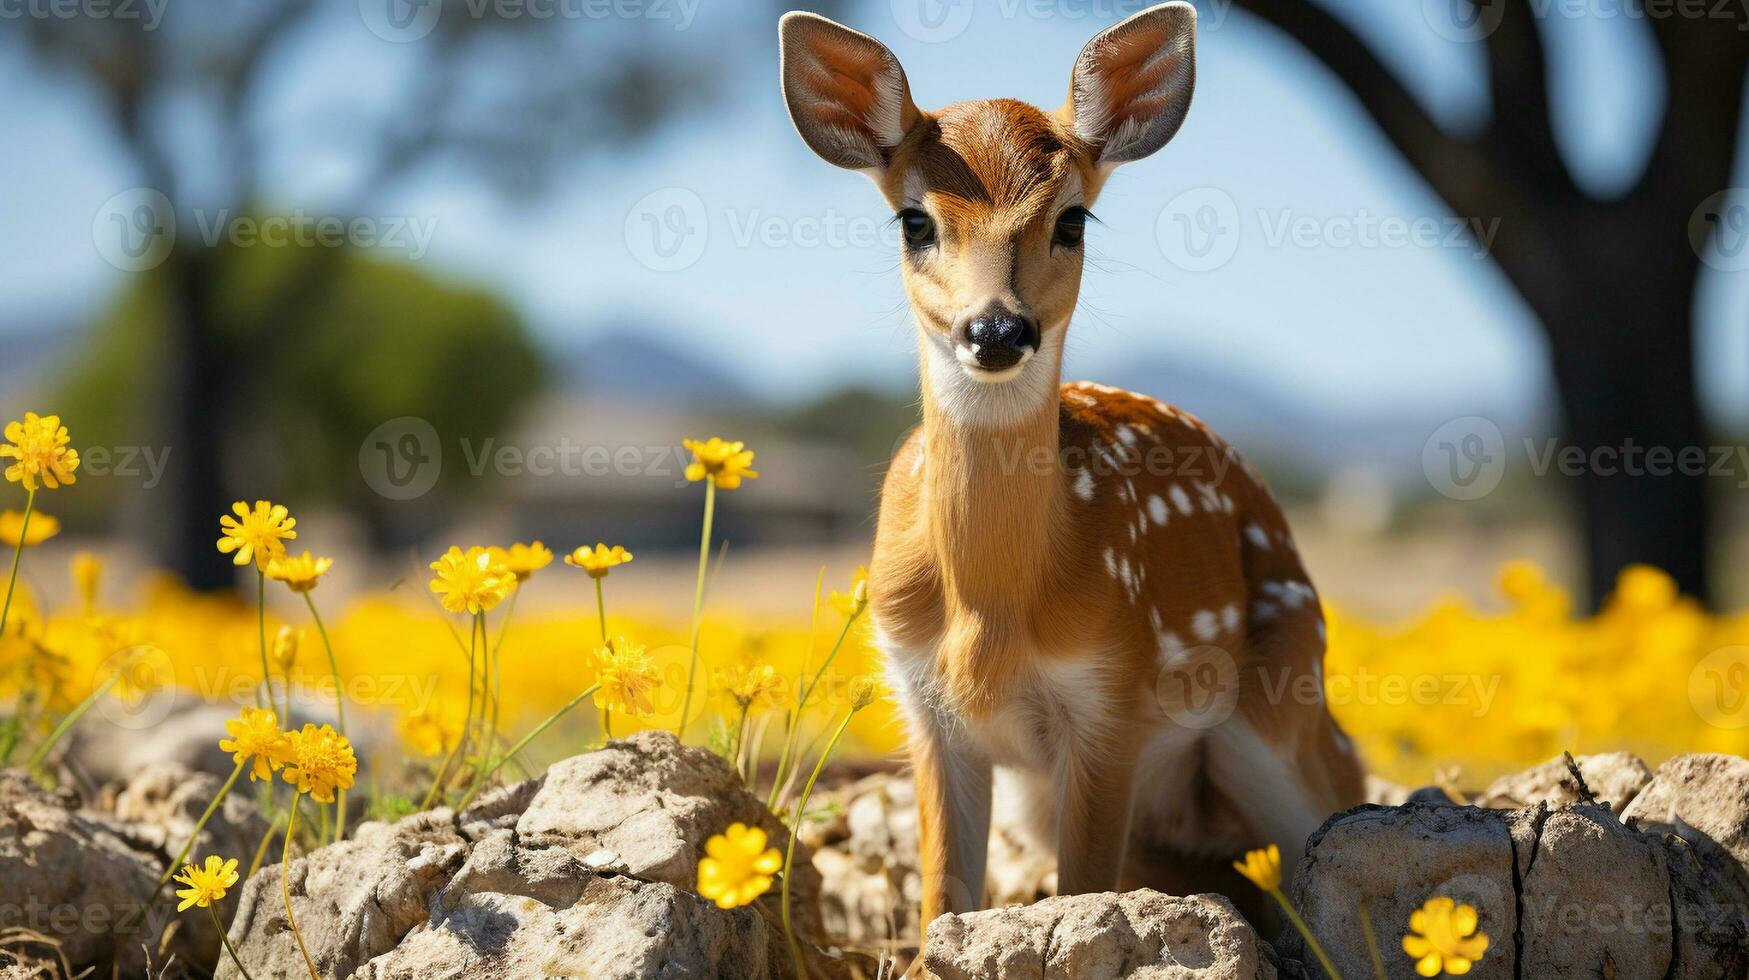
point(998, 338)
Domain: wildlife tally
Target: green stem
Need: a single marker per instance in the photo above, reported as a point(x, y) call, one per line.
point(261, 848)
point(789, 857)
point(265, 694)
point(788, 756)
point(704, 553)
point(467, 722)
point(226, 939)
point(339, 702)
point(1306, 934)
point(42, 751)
point(606, 724)
point(211, 808)
point(601, 610)
point(285, 887)
point(488, 711)
point(1372, 944)
point(12, 580)
point(531, 736)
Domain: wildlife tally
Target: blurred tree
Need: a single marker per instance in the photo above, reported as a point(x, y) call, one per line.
point(492, 90)
point(383, 340)
point(1612, 279)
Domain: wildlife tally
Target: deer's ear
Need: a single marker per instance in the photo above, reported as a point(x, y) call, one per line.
point(1132, 83)
point(846, 93)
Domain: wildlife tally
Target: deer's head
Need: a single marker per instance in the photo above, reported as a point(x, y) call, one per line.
point(992, 196)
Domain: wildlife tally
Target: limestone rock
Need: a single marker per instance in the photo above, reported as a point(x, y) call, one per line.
point(1141, 934)
point(1614, 778)
point(1704, 798)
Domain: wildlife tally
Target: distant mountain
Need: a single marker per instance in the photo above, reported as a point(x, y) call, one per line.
point(626, 362)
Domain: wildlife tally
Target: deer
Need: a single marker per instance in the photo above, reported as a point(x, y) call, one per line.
point(1090, 606)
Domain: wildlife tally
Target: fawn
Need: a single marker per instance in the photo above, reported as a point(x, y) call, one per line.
point(1073, 590)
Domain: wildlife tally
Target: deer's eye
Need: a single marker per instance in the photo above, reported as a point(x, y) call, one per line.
point(919, 229)
point(1071, 227)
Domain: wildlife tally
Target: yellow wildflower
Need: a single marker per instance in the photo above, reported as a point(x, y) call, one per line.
point(255, 735)
point(319, 762)
point(430, 729)
point(300, 573)
point(87, 570)
point(42, 528)
point(726, 463)
point(259, 534)
point(627, 677)
point(600, 561)
point(472, 581)
point(852, 602)
point(1262, 867)
point(285, 647)
point(39, 444)
point(754, 687)
point(524, 560)
point(863, 692)
point(1644, 589)
point(207, 884)
point(737, 867)
point(1444, 937)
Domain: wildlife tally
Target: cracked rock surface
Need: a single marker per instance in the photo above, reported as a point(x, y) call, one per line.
point(586, 871)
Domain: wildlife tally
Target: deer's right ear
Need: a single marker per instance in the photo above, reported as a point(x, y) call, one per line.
point(846, 93)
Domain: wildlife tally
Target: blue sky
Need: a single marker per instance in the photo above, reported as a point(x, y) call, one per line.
point(1272, 140)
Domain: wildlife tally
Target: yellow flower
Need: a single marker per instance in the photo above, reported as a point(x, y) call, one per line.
point(1644, 589)
point(285, 647)
point(726, 463)
point(737, 867)
point(754, 687)
point(863, 692)
point(42, 528)
point(255, 735)
point(627, 677)
point(258, 534)
point(852, 602)
point(472, 581)
point(524, 560)
point(300, 573)
point(430, 729)
point(1262, 867)
point(1443, 936)
point(87, 569)
point(600, 561)
point(39, 444)
point(319, 762)
point(206, 885)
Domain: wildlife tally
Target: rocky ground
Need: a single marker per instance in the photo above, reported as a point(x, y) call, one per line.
point(1610, 871)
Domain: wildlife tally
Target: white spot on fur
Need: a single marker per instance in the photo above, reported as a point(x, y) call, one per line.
point(1157, 509)
point(1205, 625)
point(1180, 499)
point(1084, 484)
point(1230, 617)
point(1257, 535)
point(1172, 649)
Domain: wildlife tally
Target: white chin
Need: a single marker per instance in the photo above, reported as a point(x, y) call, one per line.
point(968, 361)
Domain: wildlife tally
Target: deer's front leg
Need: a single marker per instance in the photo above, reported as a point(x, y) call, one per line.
point(953, 816)
point(1093, 781)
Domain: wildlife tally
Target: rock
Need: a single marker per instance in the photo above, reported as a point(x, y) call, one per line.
point(867, 859)
point(1563, 892)
point(162, 803)
point(587, 871)
point(181, 730)
point(1703, 798)
point(1141, 934)
point(1614, 779)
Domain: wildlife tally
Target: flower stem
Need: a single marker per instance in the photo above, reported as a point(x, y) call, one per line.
point(339, 703)
point(788, 756)
point(265, 694)
point(789, 856)
point(225, 937)
point(211, 808)
point(531, 736)
point(467, 723)
point(1372, 944)
point(285, 886)
point(606, 724)
point(704, 554)
point(42, 751)
point(601, 610)
point(488, 709)
point(12, 580)
point(1306, 934)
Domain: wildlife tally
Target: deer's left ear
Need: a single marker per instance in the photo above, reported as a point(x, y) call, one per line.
point(1132, 83)
point(846, 93)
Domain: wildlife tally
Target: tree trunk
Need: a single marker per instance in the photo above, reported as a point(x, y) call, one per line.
point(196, 406)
